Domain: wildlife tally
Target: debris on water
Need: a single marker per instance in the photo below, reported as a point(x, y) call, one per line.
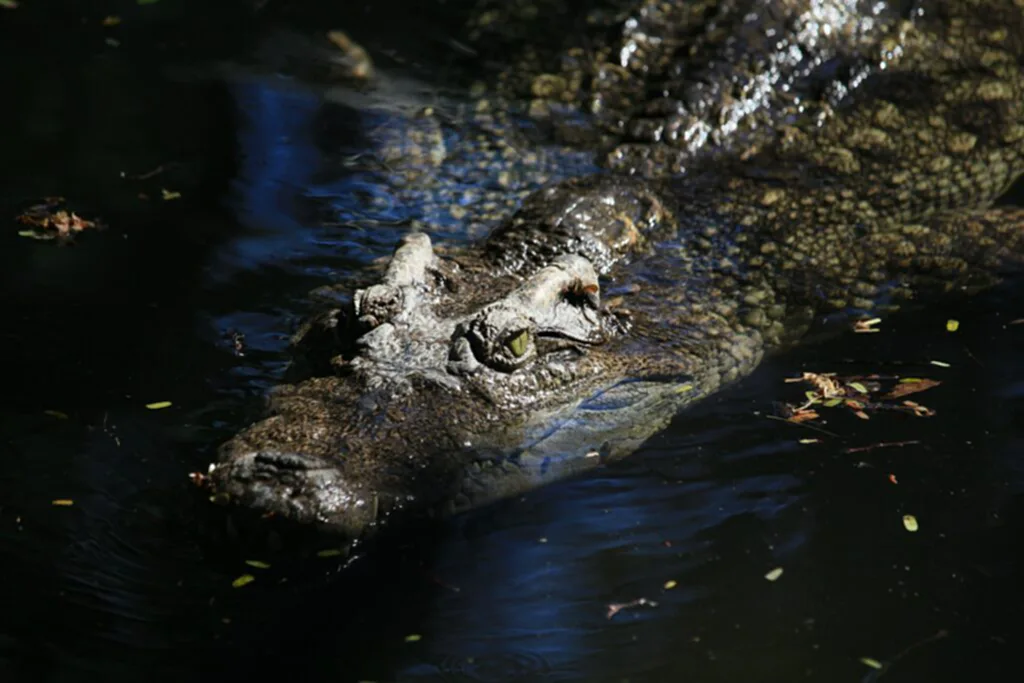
point(803, 415)
point(892, 478)
point(413, 638)
point(774, 574)
point(329, 552)
point(859, 394)
point(918, 409)
point(809, 441)
point(880, 444)
point(257, 564)
point(63, 502)
point(940, 363)
point(866, 326)
point(169, 194)
point(8, 4)
point(111, 20)
point(952, 325)
point(910, 523)
point(873, 663)
point(51, 220)
point(56, 413)
point(616, 607)
point(670, 584)
point(1018, 321)
point(198, 478)
point(159, 405)
point(243, 580)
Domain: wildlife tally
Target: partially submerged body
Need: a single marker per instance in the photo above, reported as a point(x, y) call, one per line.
point(607, 303)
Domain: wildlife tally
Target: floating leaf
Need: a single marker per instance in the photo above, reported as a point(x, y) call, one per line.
point(940, 363)
point(774, 574)
point(169, 194)
point(56, 413)
point(863, 326)
point(670, 584)
point(63, 502)
point(413, 638)
point(807, 441)
point(873, 663)
point(952, 325)
point(330, 552)
point(243, 580)
point(257, 564)
point(159, 405)
point(804, 416)
point(832, 402)
point(910, 523)
point(858, 387)
point(911, 386)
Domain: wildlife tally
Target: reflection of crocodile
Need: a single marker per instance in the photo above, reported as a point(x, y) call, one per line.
point(846, 161)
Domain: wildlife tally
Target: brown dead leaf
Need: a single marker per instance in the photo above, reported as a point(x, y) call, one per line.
point(907, 388)
point(803, 416)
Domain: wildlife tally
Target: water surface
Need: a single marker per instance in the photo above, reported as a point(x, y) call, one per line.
point(131, 582)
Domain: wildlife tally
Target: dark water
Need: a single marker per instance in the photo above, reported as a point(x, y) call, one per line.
point(132, 583)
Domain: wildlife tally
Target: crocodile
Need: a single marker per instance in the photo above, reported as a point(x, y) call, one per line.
point(768, 165)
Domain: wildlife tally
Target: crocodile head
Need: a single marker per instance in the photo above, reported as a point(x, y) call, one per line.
point(450, 383)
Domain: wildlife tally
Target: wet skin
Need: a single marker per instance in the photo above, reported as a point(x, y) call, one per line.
point(846, 165)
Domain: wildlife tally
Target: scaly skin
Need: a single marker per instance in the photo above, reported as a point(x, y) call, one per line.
point(472, 374)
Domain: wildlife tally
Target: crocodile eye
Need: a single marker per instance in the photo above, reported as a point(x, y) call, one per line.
point(519, 343)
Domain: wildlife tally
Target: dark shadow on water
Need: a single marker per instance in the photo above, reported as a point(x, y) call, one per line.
point(132, 582)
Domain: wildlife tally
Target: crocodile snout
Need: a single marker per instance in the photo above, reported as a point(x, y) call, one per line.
point(294, 486)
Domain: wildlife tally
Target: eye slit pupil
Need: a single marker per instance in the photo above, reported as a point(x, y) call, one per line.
point(518, 344)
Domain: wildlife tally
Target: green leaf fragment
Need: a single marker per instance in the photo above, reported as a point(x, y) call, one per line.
point(330, 552)
point(257, 564)
point(952, 325)
point(413, 638)
point(858, 387)
point(832, 402)
point(873, 663)
point(243, 580)
point(159, 404)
